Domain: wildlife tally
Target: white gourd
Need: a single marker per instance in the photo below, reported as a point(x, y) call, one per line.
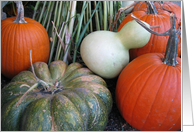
point(106, 53)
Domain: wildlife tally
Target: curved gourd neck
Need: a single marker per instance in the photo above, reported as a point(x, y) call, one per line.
point(133, 35)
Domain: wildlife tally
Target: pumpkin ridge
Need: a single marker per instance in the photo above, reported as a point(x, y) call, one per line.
point(148, 18)
point(52, 114)
point(52, 117)
point(172, 101)
point(136, 68)
point(10, 110)
point(5, 49)
point(85, 101)
point(85, 122)
point(67, 102)
point(76, 73)
point(98, 110)
point(97, 116)
point(174, 98)
point(24, 26)
point(13, 92)
point(71, 68)
point(164, 29)
point(22, 38)
point(29, 115)
point(24, 76)
point(15, 37)
point(165, 74)
point(154, 43)
point(166, 68)
point(128, 67)
point(35, 35)
point(96, 88)
point(88, 77)
point(124, 96)
point(150, 67)
point(15, 43)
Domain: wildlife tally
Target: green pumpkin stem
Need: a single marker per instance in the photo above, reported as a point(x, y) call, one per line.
point(45, 85)
point(20, 13)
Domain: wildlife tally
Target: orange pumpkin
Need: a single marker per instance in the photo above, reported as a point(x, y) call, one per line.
point(163, 5)
point(148, 91)
point(156, 44)
point(17, 39)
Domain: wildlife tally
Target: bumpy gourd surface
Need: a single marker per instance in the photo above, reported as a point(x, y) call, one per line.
point(81, 101)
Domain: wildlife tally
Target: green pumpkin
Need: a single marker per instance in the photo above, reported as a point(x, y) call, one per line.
point(72, 99)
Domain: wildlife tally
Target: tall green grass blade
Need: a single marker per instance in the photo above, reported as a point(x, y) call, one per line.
point(83, 32)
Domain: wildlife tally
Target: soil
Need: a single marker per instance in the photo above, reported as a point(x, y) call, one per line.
point(115, 121)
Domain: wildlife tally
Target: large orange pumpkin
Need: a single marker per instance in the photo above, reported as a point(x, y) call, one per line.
point(17, 39)
point(148, 91)
point(156, 44)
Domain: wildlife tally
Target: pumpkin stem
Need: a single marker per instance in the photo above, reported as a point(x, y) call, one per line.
point(39, 81)
point(20, 13)
point(172, 45)
point(151, 9)
point(44, 84)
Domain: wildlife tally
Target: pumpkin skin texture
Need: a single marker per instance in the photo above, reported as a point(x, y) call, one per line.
point(17, 39)
point(156, 44)
point(148, 93)
point(82, 101)
point(166, 5)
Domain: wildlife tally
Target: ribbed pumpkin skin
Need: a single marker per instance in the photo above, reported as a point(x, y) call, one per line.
point(16, 42)
point(148, 93)
point(83, 103)
point(167, 5)
point(156, 44)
